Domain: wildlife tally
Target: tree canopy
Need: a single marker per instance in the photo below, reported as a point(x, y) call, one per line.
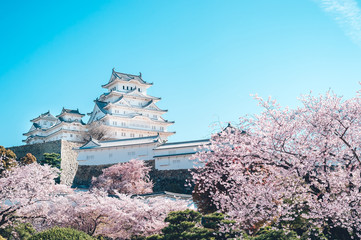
point(129, 178)
point(285, 163)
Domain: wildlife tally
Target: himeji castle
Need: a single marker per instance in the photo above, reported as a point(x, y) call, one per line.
point(131, 126)
point(124, 111)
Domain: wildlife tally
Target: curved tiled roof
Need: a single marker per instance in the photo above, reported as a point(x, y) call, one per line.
point(101, 105)
point(70, 111)
point(126, 77)
point(44, 115)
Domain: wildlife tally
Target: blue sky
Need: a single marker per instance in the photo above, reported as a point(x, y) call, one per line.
point(205, 58)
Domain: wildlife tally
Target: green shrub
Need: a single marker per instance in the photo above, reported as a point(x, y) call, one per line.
point(57, 233)
point(18, 230)
point(191, 225)
point(182, 226)
point(270, 234)
point(52, 159)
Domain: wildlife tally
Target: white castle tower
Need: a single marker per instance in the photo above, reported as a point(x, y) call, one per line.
point(127, 111)
point(68, 125)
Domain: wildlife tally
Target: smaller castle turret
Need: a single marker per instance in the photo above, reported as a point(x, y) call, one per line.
point(68, 125)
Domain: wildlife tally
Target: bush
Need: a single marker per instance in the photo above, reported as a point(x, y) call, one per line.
point(27, 159)
point(17, 230)
point(57, 233)
point(270, 234)
point(191, 225)
point(52, 159)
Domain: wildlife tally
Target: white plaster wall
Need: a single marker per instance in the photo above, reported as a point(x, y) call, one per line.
point(178, 161)
point(113, 155)
point(175, 162)
point(176, 150)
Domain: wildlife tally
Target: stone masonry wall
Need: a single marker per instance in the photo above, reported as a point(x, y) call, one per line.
point(68, 156)
point(37, 149)
point(85, 173)
point(69, 163)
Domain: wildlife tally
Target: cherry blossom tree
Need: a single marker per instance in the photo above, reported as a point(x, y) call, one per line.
point(278, 163)
point(7, 159)
point(119, 217)
point(128, 178)
point(25, 187)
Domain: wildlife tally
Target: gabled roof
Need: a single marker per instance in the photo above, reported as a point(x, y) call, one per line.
point(101, 105)
point(151, 105)
point(125, 77)
point(121, 99)
point(120, 142)
point(91, 143)
point(46, 115)
point(70, 111)
point(229, 128)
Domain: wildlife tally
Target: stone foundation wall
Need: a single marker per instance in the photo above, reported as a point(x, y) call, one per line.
point(37, 149)
point(85, 173)
point(69, 161)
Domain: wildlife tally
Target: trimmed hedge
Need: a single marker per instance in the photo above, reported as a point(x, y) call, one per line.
point(57, 233)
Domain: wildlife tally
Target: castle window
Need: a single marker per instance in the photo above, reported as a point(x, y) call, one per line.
point(114, 123)
point(140, 135)
point(162, 128)
point(127, 88)
point(153, 127)
point(132, 135)
point(138, 89)
point(71, 135)
point(123, 87)
point(123, 134)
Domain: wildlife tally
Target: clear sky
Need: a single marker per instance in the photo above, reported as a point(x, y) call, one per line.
point(205, 58)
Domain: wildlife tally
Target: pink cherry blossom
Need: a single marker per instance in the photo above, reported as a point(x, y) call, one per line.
point(309, 156)
point(24, 187)
point(129, 178)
